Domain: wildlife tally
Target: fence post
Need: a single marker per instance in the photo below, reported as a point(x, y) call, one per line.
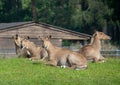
point(117, 52)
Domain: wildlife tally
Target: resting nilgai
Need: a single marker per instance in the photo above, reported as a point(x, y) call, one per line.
point(17, 41)
point(63, 57)
point(92, 51)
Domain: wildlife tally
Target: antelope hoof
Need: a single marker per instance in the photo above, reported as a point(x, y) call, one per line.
point(30, 59)
point(102, 61)
point(63, 66)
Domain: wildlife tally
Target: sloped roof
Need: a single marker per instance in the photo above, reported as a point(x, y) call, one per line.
point(63, 29)
point(4, 26)
point(17, 25)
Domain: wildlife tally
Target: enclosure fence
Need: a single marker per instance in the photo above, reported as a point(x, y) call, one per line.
point(111, 53)
point(106, 53)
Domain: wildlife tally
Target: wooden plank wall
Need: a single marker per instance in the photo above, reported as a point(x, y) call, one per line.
point(35, 31)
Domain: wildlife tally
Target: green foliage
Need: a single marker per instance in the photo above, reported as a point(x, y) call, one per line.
point(19, 71)
point(15, 10)
point(78, 15)
point(93, 16)
point(75, 15)
point(66, 43)
point(26, 10)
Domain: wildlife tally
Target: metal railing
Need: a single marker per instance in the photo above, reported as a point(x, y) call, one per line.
point(115, 52)
point(111, 53)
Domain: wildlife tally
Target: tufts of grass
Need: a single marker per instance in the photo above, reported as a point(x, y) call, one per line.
point(20, 71)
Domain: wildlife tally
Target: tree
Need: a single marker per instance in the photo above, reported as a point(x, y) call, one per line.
point(78, 15)
point(34, 11)
point(93, 17)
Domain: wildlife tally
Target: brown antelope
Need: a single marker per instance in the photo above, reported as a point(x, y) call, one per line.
point(19, 51)
point(63, 57)
point(37, 53)
point(92, 51)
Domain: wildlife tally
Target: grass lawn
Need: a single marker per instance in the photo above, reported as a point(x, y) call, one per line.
point(20, 71)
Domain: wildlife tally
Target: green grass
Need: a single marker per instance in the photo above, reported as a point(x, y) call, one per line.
point(19, 71)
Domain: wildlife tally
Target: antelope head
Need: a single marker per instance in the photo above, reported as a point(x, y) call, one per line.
point(17, 40)
point(102, 35)
point(45, 42)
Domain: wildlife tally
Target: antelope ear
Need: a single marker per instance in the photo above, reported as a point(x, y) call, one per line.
point(28, 37)
point(95, 34)
point(40, 38)
point(50, 36)
point(16, 36)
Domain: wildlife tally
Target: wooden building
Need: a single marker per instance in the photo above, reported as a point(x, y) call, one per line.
point(33, 30)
